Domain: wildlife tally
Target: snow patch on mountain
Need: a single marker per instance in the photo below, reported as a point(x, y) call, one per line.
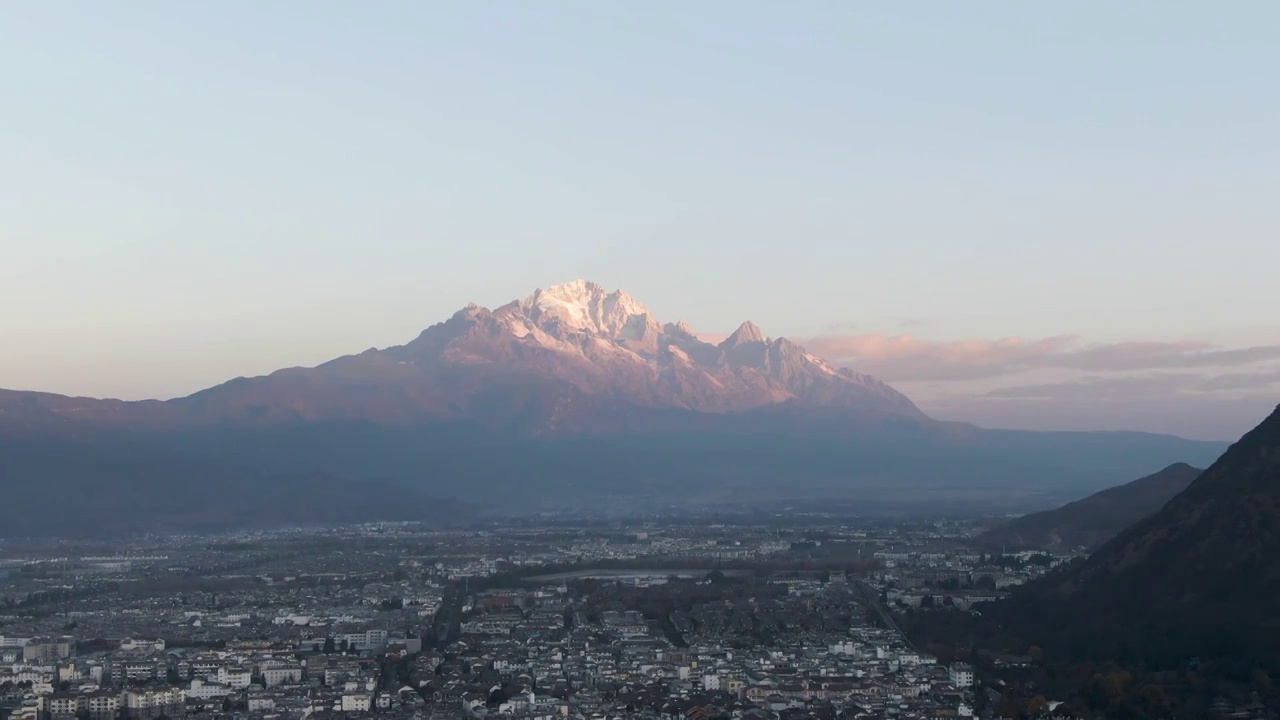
point(607, 343)
point(586, 306)
point(820, 363)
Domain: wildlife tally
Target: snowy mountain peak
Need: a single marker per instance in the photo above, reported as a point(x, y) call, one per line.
point(605, 344)
point(577, 292)
point(586, 306)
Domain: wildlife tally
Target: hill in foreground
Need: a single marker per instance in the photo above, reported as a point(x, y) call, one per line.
point(1090, 522)
point(1196, 580)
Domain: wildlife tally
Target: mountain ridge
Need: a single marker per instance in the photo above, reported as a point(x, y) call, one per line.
point(1093, 520)
point(1195, 579)
point(572, 339)
point(571, 394)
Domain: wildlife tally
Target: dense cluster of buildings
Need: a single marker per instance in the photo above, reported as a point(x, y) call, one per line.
point(393, 621)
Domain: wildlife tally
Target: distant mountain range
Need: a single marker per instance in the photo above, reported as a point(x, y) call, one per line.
point(572, 395)
point(1195, 582)
point(571, 359)
point(1096, 519)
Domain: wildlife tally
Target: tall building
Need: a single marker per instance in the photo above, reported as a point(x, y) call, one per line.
point(46, 650)
point(148, 704)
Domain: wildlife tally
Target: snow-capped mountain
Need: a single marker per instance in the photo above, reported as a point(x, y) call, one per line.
point(573, 394)
point(568, 358)
point(609, 345)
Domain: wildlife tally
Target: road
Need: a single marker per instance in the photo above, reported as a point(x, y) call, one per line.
point(872, 598)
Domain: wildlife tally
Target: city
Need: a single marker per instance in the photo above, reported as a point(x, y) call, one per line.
point(715, 360)
point(756, 618)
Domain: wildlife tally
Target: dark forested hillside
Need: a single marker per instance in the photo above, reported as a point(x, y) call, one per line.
point(1096, 519)
point(1193, 587)
point(1175, 614)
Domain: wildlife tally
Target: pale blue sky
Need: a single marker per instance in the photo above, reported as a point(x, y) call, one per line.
point(194, 191)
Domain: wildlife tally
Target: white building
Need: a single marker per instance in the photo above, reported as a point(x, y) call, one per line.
point(101, 705)
point(367, 640)
point(153, 703)
point(281, 675)
point(131, 644)
point(235, 677)
point(208, 690)
point(357, 703)
point(43, 650)
point(961, 674)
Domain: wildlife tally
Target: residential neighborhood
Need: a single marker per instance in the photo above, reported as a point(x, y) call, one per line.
point(582, 618)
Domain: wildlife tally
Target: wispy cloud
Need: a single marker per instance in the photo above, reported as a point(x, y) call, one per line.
point(1211, 416)
point(908, 358)
point(1155, 355)
point(1134, 387)
point(1114, 388)
point(1193, 388)
point(1240, 381)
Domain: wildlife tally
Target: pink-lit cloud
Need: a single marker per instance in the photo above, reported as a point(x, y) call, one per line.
point(1193, 388)
point(713, 338)
point(1166, 385)
point(909, 358)
point(1143, 406)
